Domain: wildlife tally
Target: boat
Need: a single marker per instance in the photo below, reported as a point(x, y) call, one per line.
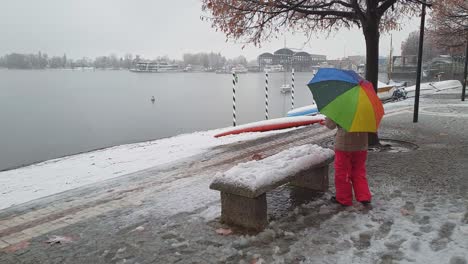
point(273, 124)
point(325, 65)
point(361, 69)
point(239, 69)
point(253, 68)
point(152, 66)
point(385, 91)
point(308, 110)
point(434, 87)
point(285, 88)
point(236, 69)
point(221, 71)
point(274, 68)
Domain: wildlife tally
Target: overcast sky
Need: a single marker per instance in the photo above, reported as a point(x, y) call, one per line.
point(149, 28)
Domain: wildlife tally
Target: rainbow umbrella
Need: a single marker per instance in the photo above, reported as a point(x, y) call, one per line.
point(347, 99)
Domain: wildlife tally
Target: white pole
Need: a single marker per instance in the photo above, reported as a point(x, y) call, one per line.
point(266, 95)
point(292, 89)
point(234, 98)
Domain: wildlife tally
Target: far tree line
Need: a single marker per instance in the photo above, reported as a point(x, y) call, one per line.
point(42, 61)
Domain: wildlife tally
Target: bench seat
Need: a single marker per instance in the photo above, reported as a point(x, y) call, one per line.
point(243, 188)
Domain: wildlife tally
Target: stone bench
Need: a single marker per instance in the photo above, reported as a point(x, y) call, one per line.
point(243, 188)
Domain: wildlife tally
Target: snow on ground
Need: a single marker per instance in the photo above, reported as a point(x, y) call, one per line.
point(58, 175)
point(405, 229)
point(254, 174)
point(401, 228)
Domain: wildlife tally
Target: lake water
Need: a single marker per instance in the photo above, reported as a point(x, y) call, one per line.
point(54, 113)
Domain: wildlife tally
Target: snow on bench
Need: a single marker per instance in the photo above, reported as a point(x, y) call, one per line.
point(243, 188)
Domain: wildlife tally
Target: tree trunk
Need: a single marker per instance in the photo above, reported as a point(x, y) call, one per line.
point(372, 35)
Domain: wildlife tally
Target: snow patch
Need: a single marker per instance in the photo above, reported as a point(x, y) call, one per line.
point(62, 174)
point(256, 173)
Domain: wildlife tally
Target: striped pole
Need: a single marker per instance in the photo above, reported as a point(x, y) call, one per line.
point(234, 81)
point(266, 95)
point(292, 89)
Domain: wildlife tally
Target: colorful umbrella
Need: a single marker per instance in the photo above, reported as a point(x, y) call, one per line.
point(346, 98)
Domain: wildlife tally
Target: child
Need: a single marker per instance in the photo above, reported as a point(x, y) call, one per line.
point(350, 166)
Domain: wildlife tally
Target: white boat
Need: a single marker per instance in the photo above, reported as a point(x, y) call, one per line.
point(150, 66)
point(85, 68)
point(239, 69)
point(285, 88)
point(221, 71)
point(385, 91)
point(274, 68)
point(434, 87)
point(308, 110)
point(361, 69)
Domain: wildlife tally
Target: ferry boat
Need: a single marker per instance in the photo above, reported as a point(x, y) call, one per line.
point(274, 68)
point(151, 66)
point(239, 69)
point(236, 69)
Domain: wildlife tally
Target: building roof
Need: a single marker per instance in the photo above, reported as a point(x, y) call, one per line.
point(290, 53)
point(284, 51)
point(266, 54)
point(302, 53)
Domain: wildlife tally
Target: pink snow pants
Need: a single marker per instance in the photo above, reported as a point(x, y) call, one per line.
point(350, 173)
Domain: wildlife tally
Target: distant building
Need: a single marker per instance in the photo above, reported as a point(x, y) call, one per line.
point(299, 60)
point(344, 64)
point(357, 59)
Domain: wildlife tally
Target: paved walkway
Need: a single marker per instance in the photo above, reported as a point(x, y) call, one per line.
point(149, 216)
point(24, 222)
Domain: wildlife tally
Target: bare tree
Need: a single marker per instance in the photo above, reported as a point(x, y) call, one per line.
point(410, 46)
point(449, 25)
point(258, 20)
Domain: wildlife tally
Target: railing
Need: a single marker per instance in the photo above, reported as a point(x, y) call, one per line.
point(447, 71)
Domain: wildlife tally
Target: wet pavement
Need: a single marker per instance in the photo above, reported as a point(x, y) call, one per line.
point(167, 214)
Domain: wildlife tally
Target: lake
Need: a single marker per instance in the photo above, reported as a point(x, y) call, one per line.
point(47, 114)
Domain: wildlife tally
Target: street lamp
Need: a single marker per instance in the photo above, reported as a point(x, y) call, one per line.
point(420, 52)
point(465, 72)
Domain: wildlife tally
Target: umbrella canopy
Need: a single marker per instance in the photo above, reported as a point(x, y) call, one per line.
point(347, 99)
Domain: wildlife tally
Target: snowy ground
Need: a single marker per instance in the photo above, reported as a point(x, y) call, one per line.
point(58, 175)
point(401, 228)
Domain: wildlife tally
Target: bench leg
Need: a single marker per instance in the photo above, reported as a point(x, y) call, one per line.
point(316, 179)
point(250, 213)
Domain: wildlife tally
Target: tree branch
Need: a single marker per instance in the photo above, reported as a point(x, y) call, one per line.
point(325, 13)
point(358, 10)
point(385, 6)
